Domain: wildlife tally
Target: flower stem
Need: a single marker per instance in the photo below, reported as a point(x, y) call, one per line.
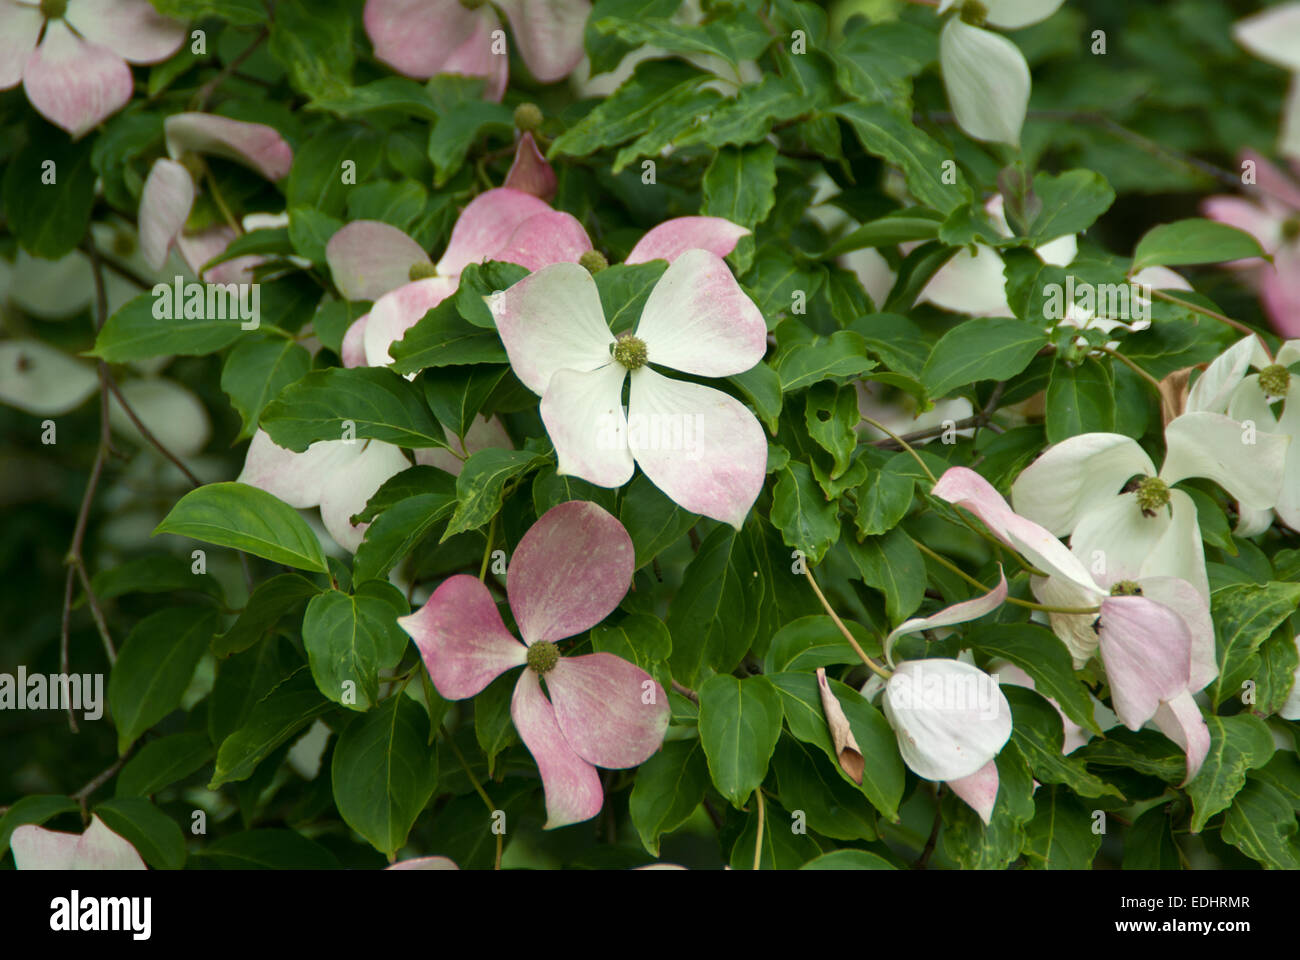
point(487, 550)
point(904, 444)
point(945, 562)
point(1204, 311)
point(758, 840)
point(880, 671)
point(1133, 366)
point(478, 787)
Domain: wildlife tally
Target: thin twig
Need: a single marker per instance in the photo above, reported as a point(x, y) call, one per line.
point(149, 436)
point(982, 419)
point(206, 91)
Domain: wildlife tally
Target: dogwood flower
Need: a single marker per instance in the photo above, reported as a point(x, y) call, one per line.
point(423, 37)
point(169, 190)
point(1274, 35)
point(71, 55)
point(99, 848)
point(985, 74)
point(1154, 636)
point(1126, 519)
point(338, 476)
point(569, 572)
point(1272, 217)
point(700, 446)
point(1227, 387)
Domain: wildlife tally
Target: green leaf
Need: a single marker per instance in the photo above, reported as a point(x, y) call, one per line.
point(606, 51)
point(480, 488)
point(748, 117)
point(841, 355)
point(901, 226)
point(734, 37)
point(886, 134)
point(269, 850)
point(457, 394)
point(310, 231)
point(740, 184)
point(1038, 732)
point(243, 13)
point(367, 403)
point(1237, 744)
point(270, 601)
point(155, 836)
point(983, 348)
point(384, 772)
point(246, 518)
point(668, 788)
point(883, 778)
point(974, 845)
point(493, 726)
point(1038, 652)
point(397, 530)
point(442, 338)
point(641, 638)
point(808, 785)
point(740, 721)
point(314, 43)
point(153, 573)
point(1149, 844)
point(316, 179)
point(1061, 836)
point(885, 497)
point(1275, 676)
point(781, 848)
point(479, 281)
point(1080, 399)
point(762, 388)
point(256, 371)
point(458, 128)
point(652, 520)
point(162, 762)
point(831, 415)
point(49, 190)
point(1244, 616)
point(403, 96)
point(1261, 823)
point(624, 289)
point(136, 332)
point(815, 641)
point(800, 511)
point(349, 639)
point(891, 564)
point(34, 808)
point(287, 708)
point(875, 64)
point(848, 860)
point(1070, 202)
point(155, 666)
point(1192, 241)
point(710, 615)
point(655, 85)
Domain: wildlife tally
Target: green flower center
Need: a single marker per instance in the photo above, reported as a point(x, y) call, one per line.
point(593, 261)
point(1152, 494)
point(543, 656)
point(1126, 588)
point(630, 352)
point(1291, 228)
point(422, 271)
point(1275, 380)
point(528, 117)
point(53, 9)
point(974, 13)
